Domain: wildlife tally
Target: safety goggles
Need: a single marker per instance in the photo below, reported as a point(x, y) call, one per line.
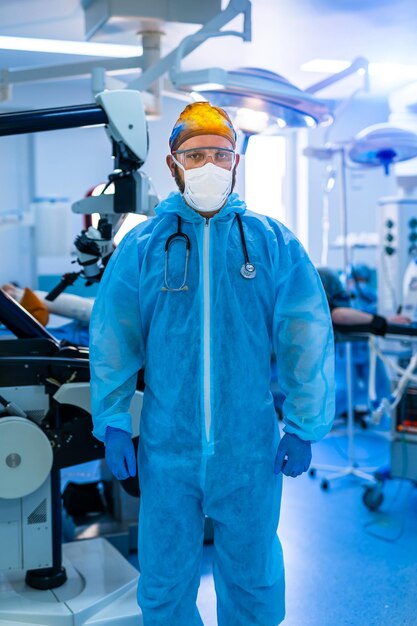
point(197, 157)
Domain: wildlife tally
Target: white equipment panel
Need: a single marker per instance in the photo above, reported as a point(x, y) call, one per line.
point(398, 246)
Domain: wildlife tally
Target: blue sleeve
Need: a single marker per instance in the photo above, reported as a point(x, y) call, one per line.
point(116, 338)
point(303, 342)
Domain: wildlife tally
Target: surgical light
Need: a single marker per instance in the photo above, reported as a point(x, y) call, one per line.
point(59, 46)
point(382, 145)
point(258, 90)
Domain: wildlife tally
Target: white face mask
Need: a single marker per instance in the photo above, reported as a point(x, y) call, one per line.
point(206, 188)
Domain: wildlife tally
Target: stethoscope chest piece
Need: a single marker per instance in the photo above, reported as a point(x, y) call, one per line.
point(248, 270)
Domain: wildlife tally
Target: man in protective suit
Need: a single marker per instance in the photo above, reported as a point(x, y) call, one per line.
point(200, 296)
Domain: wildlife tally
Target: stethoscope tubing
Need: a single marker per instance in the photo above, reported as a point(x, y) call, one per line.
point(177, 234)
point(243, 239)
point(247, 270)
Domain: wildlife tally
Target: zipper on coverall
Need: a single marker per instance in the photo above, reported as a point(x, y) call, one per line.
point(206, 339)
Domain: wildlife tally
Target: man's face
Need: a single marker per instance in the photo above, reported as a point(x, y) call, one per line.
point(200, 141)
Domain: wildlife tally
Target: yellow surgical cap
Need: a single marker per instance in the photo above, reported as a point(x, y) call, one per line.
point(201, 118)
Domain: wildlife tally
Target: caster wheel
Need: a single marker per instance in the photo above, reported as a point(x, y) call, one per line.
point(325, 485)
point(312, 473)
point(373, 498)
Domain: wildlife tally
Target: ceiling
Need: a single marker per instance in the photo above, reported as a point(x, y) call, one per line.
point(285, 35)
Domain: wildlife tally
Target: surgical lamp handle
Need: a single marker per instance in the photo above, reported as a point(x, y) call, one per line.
point(52, 119)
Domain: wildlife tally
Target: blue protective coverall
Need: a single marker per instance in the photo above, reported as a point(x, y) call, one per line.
point(209, 432)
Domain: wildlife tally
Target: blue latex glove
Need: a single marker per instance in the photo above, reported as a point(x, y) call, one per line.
point(293, 456)
point(120, 453)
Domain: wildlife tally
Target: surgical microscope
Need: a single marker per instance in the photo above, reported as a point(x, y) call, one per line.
point(132, 188)
point(45, 411)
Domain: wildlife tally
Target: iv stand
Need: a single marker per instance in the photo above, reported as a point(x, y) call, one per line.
point(351, 469)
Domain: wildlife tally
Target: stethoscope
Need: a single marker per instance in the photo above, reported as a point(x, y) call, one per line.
point(247, 270)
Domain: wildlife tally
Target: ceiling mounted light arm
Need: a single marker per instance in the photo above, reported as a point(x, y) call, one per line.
point(213, 75)
point(50, 72)
point(358, 65)
point(234, 8)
